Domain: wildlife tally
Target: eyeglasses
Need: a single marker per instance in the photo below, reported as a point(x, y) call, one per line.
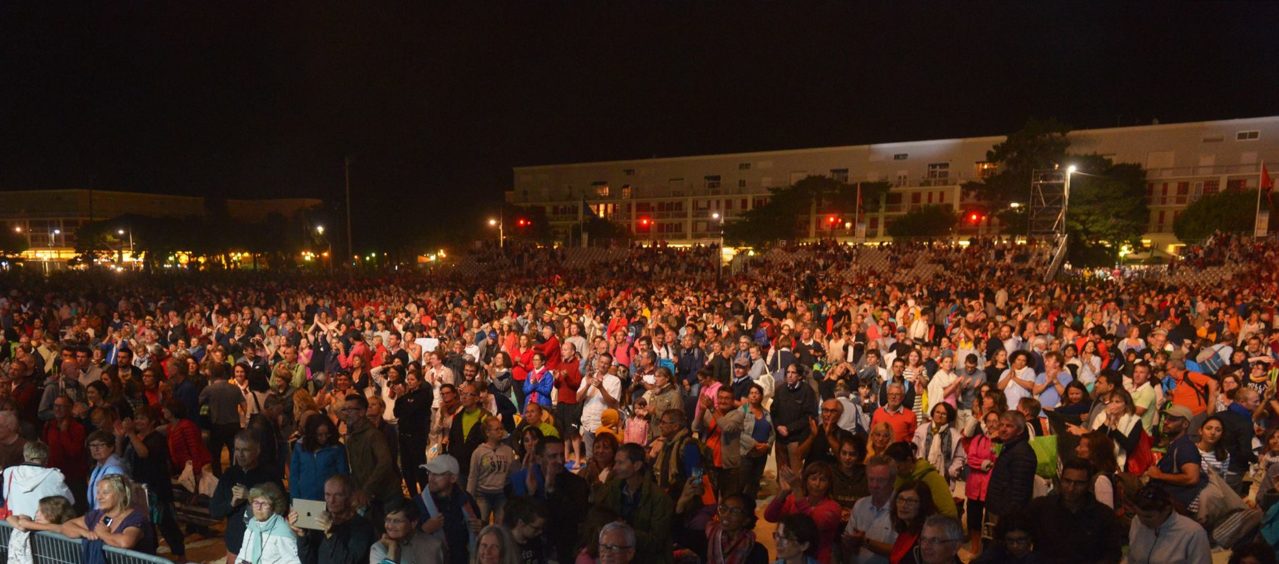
point(261, 503)
point(615, 547)
point(908, 500)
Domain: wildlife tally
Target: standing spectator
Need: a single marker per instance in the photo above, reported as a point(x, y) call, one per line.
point(1160, 535)
point(941, 443)
point(223, 402)
point(413, 412)
point(1094, 534)
point(911, 508)
point(447, 512)
point(65, 438)
point(1239, 434)
point(317, 457)
point(633, 496)
point(494, 545)
point(980, 459)
point(568, 411)
point(539, 382)
point(491, 466)
point(598, 391)
point(347, 535)
point(64, 384)
point(757, 439)
point(720, 428)
point(23, 486)
point(147, 452)
point(617, 543)
point(793, 410)
point(11, 442)
point(466, 433)
point(267, 536)
point(895, 415)
point(565, 493)
point(185, 443)
point(809, 496)
point(870, 529)
point(230, 500)
point(373, 469)
point(1012, 479)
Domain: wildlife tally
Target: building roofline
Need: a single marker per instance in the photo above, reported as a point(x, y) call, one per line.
point(147, 194)
point(867, 146)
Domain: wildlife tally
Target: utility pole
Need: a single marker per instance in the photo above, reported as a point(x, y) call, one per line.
point(346, 161)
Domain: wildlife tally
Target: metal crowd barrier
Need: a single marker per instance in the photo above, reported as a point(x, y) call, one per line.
point(53, 548)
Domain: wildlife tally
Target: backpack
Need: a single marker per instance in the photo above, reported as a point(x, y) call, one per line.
point(1142, 457)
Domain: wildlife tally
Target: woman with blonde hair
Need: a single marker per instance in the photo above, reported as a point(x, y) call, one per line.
point(123, 526)
point(881, 435)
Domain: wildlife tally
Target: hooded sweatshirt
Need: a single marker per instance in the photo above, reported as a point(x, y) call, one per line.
point(26, 485)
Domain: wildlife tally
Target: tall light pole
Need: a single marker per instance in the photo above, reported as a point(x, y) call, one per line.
point(319, 229)
point(120, 232)
point(53, 235)
point(719, 259)
point(500, 222)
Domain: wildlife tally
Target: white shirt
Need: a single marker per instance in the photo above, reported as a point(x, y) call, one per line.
point(1014, 391)
point(1179, 540)
point(937, 387)
point(593, 402)
point(877, 523)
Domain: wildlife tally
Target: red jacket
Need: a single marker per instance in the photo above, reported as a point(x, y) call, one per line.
point(66, 449)
point(551, 351)
point(569, 382)
point(186, 445)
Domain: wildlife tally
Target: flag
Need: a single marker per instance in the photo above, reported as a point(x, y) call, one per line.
point(1267, 183)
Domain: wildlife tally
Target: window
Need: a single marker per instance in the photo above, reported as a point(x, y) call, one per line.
point(938, 170)
point(915, 198)
point(626, 191)
point(941, 197)
point(712, 181)
point(985, 169)
point(1183, 191)
point(902, 179)
point(1213, 139)
point(901, 156)
point(1236, 185)
point(1211, 187)
point(628, 171)
point(839, 174)
point(741, 183)
point(601, 188)
point(743, 166)
point(1248, 135)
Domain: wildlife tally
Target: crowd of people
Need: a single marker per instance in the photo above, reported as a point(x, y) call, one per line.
point(540, 411)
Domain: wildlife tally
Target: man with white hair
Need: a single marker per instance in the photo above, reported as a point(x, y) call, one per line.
point(617, 543)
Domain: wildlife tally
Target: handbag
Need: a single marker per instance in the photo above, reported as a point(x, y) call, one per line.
point(1045, 448)
point(8, 489)
point(1142, 457)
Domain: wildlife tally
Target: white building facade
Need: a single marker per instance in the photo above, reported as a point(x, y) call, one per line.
point(677, 199)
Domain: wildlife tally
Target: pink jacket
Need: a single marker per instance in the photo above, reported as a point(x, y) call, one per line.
point(980, 449)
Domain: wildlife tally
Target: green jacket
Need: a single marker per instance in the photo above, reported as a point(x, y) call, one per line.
point(372, 467)
point(937, 486)
point(651, 520)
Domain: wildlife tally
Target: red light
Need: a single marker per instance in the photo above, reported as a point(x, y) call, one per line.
point(523, 222)
point(832, 219)
point(974, 217)
point(644, 221)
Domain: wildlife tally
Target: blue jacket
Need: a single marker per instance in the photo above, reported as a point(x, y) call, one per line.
point(309, 470)
point(541, 384)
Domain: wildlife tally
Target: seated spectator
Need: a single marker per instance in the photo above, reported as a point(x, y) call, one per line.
point(1098, 450)
point(1093, 534)
point(116, 521)
point(1179, 472)
point(1160, 535)
point(347, 535)
point(913, 504)
point(940, 541)
point(267, 536)
point(1014, 543)
point(730, 538)
point(494, 545)
point(796, 540)
point(25, 485)
point(402, 543)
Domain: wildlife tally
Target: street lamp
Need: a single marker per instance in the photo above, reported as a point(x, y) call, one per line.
point(319, 230)
point(719, 260)
point(500, 223)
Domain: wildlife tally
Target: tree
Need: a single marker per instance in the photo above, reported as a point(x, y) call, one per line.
point(13, 243)
point(600, 229)
point(1107, 209)
point(1040, 144)
point(1232, 211)
point(929, 221)
point(785, 216)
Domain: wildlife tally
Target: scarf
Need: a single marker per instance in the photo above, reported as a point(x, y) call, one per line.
point(944, 432)
point(432, 510)
point(735, 553)
point(667, 464)
point(255, 537)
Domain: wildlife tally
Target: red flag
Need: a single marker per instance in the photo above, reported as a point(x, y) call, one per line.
point(1267, 183)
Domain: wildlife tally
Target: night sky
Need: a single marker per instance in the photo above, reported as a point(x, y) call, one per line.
point(435, 104)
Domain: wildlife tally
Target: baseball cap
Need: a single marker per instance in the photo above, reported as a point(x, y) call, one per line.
point(742, 363)
point(442, 464)
point(1179, 411)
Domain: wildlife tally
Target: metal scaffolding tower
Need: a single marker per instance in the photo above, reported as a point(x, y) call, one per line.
point(1046, 212)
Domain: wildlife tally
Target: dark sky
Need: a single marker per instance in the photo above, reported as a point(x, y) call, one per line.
point(435, 104)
